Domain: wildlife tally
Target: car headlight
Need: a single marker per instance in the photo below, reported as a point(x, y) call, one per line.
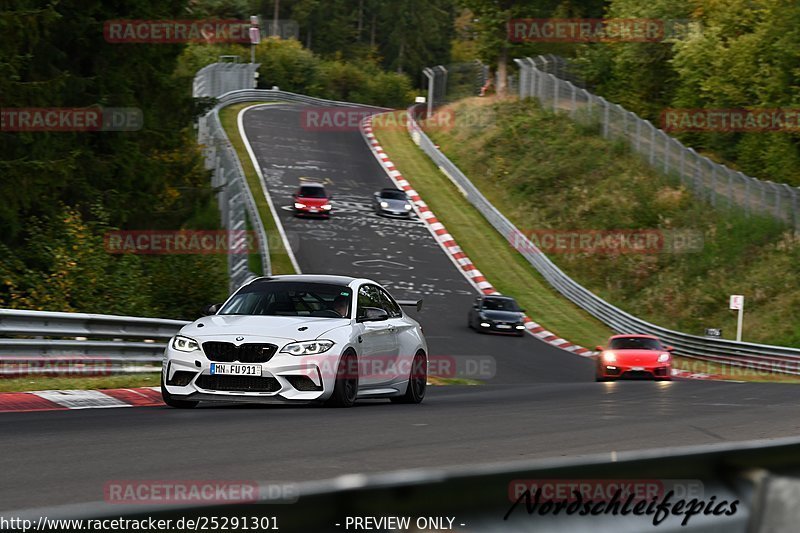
point(409, 207)
point(307, 347)
point(609, 357)
point(326, 207)
point(384, 204)
point(298, 205)
point(184, 344)
point(663, 358)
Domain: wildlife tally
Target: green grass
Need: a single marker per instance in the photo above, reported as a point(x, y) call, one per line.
point(121, 381)
point(281, 264)
point(503, 266)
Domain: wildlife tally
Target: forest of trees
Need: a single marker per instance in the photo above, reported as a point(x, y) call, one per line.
point(62, 191)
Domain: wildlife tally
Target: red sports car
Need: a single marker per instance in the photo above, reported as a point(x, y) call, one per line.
point(312, 199)
point(634, 356)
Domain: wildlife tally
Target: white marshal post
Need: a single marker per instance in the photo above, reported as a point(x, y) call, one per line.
point(255, 36)
point(737, 303)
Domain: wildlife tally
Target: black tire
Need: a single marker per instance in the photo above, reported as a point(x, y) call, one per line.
point(172, 402)
point(601, 380)
point(417, 381)
point(345, 389)
point(469, 322)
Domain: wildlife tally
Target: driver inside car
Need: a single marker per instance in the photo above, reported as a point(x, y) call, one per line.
point(341, 304)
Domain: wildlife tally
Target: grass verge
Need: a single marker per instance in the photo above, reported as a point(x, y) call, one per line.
point(505, 268)
point(452, 381)
point(122, 381)
point(281, 264)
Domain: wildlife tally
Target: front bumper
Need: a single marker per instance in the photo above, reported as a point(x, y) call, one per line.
point(310, 211)
point(396, 214)
point(501, 327)
point(284, 379)
point(617, 371)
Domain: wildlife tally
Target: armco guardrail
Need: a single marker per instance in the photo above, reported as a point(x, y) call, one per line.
point(737, 354)
point(83, 340)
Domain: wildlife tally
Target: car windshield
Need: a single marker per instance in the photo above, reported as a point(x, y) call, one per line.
point(500, 304)
point(312, 192)
point(635, 343)
point(394, 195)
point(285, 298)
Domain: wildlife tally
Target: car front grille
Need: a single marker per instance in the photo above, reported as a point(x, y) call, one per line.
point(226, 352)
point(638, 374)
point(238, 383)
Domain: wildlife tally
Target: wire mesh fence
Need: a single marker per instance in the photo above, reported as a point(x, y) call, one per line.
point(455, 81)
point(543, 78)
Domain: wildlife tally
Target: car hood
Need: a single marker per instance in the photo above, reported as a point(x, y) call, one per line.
point(507, 316)
point(313, 201)
point(637, 356)
point(395, 205)
point(282, 327)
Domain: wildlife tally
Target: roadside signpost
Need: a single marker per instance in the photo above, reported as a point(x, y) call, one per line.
point(737, 303)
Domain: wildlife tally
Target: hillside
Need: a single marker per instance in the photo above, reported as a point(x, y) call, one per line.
point(552, 177)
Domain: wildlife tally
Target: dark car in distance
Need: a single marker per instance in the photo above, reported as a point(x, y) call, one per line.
point(497, 314)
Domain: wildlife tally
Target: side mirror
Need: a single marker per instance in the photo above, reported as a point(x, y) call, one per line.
point(210, 309)
point(669, 348)
point(598, 348)
point(373, 314)
point(522, 310)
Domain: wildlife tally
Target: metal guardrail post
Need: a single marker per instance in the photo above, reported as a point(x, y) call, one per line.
point(429, 74)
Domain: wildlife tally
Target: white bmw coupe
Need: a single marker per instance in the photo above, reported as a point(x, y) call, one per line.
point(299, 339)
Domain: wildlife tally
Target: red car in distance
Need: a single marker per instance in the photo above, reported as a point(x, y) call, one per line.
point(312, 199)
point(634, 356)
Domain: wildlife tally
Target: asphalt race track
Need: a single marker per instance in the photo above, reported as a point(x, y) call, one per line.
point(541, 402)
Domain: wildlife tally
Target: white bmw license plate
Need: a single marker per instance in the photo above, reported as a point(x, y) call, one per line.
point(503, 326)
point(235, 369)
